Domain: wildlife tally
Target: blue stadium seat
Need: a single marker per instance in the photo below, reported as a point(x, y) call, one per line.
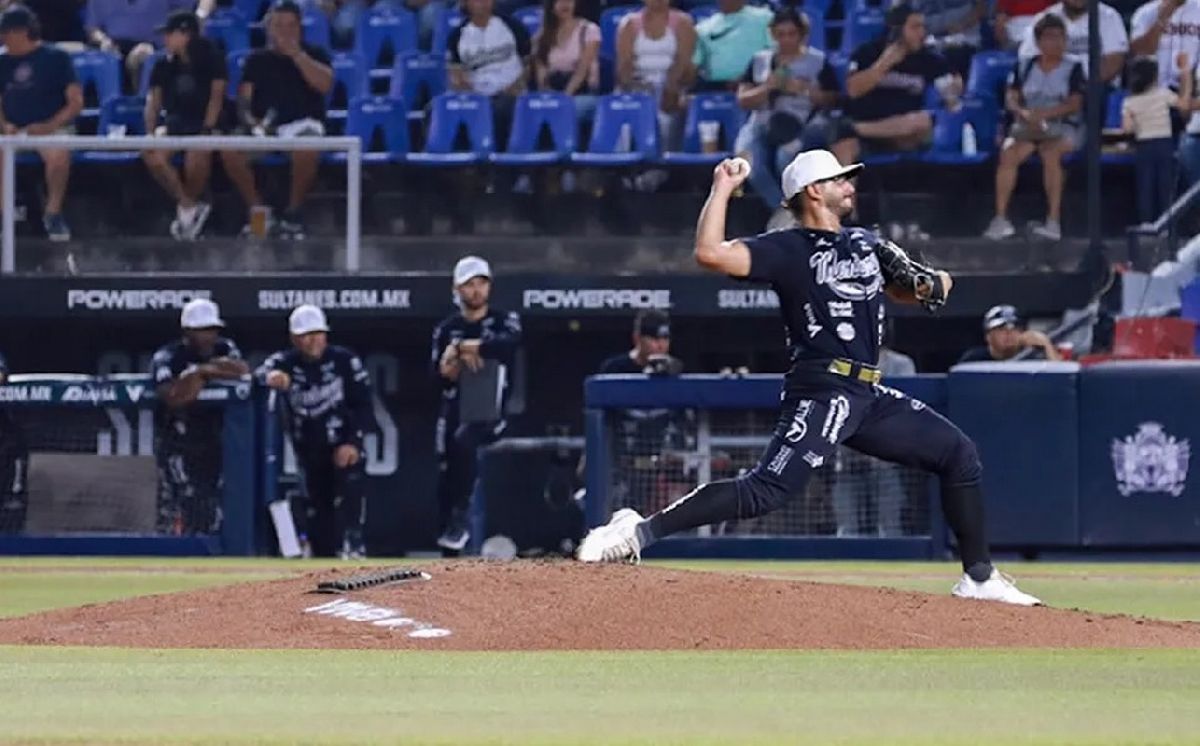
point(700, 12)
point(148, 70)
point(417, 78)
point(708, 107)
point(864, 24)
point(555, 112)
point(530, 17)
point(451, 112)
point(841, 67)
point(816, 31)
point(228, 29)
point(385, 116)
point(117, 111)
point(251, 10)
point(449, 20)
point(635, 113)
point(316, 28)
point(383, 27)
point(349, 75)
point(1112, 111)
point(235, 65)
point(947, 140)
point(100, 71)
point(610, 21)
point(989, 71)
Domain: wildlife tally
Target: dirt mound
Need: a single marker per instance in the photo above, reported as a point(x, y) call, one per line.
point(570, 606)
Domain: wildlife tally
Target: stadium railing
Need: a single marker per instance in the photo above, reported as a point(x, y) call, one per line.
point(351, 146)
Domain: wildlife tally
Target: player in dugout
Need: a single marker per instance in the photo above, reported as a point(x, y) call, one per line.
point(14, 461)
point(187, 439)
point(331, 408)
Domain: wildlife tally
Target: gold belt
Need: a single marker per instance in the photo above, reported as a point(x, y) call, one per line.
point(850, 369)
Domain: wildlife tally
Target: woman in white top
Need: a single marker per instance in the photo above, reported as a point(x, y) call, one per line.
point(654, 52)
point(565, 53)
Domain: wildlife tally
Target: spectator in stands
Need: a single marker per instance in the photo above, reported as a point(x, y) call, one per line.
point(429, 15)
point(651, 353)
point(788, 90)
point(489, 54)
point(39, 95)
point(654, 52)
point(1114, 41)
point(726, 41)
point(1013, 19)
point(1045, 96)
point(282, 92)
point(187, 440)
point(127, 28)
point(1165, 29)
point(189, 86)
point(1006, 337)
point(14, 465)
point(565, 54)
point(886, 84)
point(1146, 114)
point(473, 355)
point(60, 20)
point(954, 27)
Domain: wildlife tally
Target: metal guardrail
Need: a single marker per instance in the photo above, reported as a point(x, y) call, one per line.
point(351, 146)
point(1163, 224)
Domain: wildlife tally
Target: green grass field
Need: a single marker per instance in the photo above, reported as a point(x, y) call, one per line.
point(92, 695)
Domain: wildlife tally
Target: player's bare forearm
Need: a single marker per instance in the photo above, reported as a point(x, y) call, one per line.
point(225, 367)
point(183, 390)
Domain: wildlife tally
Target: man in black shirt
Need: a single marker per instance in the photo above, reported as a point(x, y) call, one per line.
point(14, 464)
point(187, 438)
point(886, 85)
point(651, 351)
point(39, 95)
point(1006, 337)
point(331, 408)
point(831, 283)
point(188, 87)
point(475, 338)
point(282, 92)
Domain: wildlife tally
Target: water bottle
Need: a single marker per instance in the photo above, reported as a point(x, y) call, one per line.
point(970, 146)
point(625, 139)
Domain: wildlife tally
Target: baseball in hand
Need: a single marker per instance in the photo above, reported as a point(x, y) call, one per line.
point(739, 167)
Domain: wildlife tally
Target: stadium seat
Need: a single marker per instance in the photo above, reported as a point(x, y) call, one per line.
point(251, 10)
point(100, 71)
point(708, 107)
point(374, 115)
point(636, 114)
point(863, 24)
point(1112, 110)
point(449, 20)
point(316, 28)
point(948, 137)
point(816, 31)
point(235, 65)
point(148, 70)
point(841, 67)
point(530, 17)
point(610, 21)
point(349, 75)
point(553, 111)
point(228, 29)
point(450, 113)
point(385, 27)
point(989, 71)
point(700, 12)
point(126, 111)
point(417, 78)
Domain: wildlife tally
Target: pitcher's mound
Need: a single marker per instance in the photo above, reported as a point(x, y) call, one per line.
point(571, 606)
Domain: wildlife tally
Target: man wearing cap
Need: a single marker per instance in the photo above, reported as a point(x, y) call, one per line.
point(128, 29)
point(480, 342)
point(187, 439)
point(329, 400)
point(1007, 336)
point(831, 283)
point(39, 95)
point(282, 93)
point(187, 86)
point(14, 464)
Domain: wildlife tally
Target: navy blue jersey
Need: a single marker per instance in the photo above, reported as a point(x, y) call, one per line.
point(329, 399)
point(499, 333)
point(173, 360)
point(830, 290)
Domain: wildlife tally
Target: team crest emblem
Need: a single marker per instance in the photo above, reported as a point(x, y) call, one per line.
point(1151, 461)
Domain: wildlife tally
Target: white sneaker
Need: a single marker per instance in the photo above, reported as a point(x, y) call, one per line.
point(999, 229)
point(1050, 230)
point(615, 541)
point(997, 587)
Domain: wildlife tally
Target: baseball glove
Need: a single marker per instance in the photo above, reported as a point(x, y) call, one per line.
point(903, 271)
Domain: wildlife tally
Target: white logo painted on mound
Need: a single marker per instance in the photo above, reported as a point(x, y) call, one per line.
point(379, 616)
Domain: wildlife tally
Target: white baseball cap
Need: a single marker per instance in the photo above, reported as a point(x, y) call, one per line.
point(810, 167)
point(200, 313)
point(307, 319)
point(469, 267)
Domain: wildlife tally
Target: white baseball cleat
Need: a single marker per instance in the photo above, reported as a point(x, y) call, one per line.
point(997, 587)
point(615, 541)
